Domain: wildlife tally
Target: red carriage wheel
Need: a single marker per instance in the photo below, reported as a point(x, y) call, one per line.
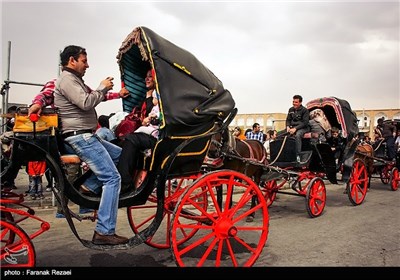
point(358, 183)
point(384, 174)
point(141, 216)
point(315, 197)
point(223, 237)
point(16, 246)
point(394, 179)
point(269, 189)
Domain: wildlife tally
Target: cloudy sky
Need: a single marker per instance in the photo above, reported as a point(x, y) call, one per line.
point(264, 52)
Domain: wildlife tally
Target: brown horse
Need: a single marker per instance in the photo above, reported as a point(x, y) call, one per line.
point(365, 152)
point(238, 156)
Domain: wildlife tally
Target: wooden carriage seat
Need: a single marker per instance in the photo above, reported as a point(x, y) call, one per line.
point(70, 159)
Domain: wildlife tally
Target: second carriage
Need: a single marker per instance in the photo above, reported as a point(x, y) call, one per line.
point(318, 162)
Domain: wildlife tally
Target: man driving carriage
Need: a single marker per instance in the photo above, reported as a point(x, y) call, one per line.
point(385, 132)
point(78, 118)
point(389, 131)
point(297, 122)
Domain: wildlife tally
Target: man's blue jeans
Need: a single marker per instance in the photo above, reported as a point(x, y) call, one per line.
point(101, 156)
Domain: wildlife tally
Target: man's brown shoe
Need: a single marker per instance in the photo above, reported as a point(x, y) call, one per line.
point(113, 239)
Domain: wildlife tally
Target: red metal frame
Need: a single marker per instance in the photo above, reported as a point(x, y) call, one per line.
point(13, 238)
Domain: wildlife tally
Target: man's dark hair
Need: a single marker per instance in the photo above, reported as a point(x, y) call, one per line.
point(12, 109)
point(255, 125)
point(298, 97)
point(271, 132)
point(104, 121)
point(69, 51)
point(334, 129)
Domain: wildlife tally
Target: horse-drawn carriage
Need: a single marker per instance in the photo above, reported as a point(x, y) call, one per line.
point(318, 162)
point(376, 157)
point(192, 101)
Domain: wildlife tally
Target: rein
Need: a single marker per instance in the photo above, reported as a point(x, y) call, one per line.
point(379, 145)
point(280, 150)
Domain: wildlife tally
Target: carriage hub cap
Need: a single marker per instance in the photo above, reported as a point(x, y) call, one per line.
point(225, 228)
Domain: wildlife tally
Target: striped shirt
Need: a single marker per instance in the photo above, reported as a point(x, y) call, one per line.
point(255, 136)
point(46, 96)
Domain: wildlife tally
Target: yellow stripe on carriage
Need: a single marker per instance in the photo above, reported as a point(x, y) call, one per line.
point(183, 68)
point(188, 154)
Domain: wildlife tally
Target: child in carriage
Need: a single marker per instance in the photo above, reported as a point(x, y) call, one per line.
point(336, 142)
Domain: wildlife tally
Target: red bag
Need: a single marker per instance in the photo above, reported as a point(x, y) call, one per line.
point(129, 124)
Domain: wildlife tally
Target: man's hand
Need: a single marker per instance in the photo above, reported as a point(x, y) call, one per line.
point(108, 83)
point(123, 92)
point(146, 121)
point(152, 115)
point(35, 109)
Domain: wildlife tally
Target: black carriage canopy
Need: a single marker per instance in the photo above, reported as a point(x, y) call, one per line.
point(191, 97)
point(339, 113)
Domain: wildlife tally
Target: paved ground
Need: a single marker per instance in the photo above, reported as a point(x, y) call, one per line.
point(366, 236)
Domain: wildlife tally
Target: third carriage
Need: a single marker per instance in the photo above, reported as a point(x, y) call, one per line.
point(379, 164)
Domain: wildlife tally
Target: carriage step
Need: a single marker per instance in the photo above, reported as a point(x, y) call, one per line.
point(213, 162)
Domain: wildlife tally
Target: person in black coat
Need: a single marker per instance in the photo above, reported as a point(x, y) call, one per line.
point(297, 121)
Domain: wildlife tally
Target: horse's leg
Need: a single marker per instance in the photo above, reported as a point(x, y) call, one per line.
point(370, 171)
point(219, 197)
point(254, 201)
point(369, 180)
